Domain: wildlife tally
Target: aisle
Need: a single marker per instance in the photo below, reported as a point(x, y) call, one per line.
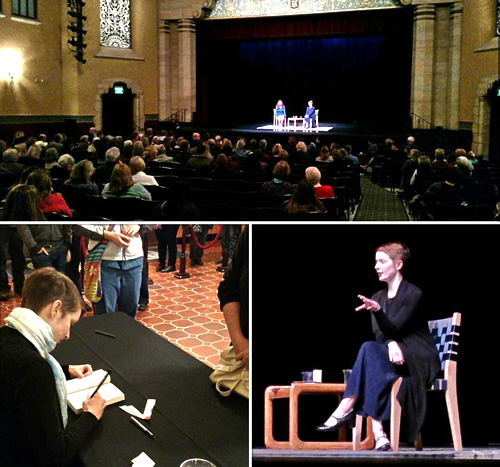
point(378, 203)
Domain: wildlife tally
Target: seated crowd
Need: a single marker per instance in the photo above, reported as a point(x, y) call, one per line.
point(186, 175)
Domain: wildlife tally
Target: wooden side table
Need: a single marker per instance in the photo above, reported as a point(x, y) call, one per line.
point(293, 392)
point(295, 121)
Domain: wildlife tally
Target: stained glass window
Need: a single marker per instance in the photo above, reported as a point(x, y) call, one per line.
point(24, 8)
point(115, 24)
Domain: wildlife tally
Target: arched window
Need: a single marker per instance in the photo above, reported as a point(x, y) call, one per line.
point(115, 24)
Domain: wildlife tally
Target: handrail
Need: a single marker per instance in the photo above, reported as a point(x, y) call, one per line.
point(420, 122)
point(179, 114)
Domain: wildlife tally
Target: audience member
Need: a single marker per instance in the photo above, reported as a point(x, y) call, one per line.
point(313, 176)
point(201, 160)
point(62, 170)
point(195, 251)
point(304, 200)
point(137, 166)
point(122, 185)
point(354, 160)
point(439, 161)
point(9, 165)
point(324, 155)
point(103, 173)
point(79, 182)
point(11, 246)
point(279, 184)
point(49, 201)
point(166, 235)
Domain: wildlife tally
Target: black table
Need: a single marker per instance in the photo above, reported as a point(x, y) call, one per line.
point(190, 418)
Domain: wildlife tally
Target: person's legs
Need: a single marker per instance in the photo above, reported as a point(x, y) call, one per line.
point(144, 290)
point(72, 268)
point(41, 260)
point(172, 243)
point(162, 247)
point(17, 259)
point(111, 283)
point(4, 278)
point(130, 279)
point(59, 258)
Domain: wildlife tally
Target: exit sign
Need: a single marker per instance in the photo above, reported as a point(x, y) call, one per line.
point(118, 89)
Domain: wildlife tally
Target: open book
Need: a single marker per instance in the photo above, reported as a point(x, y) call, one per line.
point(79, 388)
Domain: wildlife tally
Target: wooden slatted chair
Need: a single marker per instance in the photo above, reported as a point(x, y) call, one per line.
point(446, 334)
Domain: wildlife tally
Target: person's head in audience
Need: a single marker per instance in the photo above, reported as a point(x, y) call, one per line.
point(112, 155)
point(460, 152)
point(301, 147)
point(40, 179)
point(51, 158)
point(410, 140)
point(241, 143)
point(424, 163)
point(138, 148)
point(263, 145)
point(84, 140)
point(343, 154)
point(66, 161)
point(276, 149)
point(127, 151)
point(26, 173)
point(465, 166)
point(304, 199)
point(121, 178)
point(150, 153)
point(196, 137)
point(226, 142)
point(284, 155)
point(313, 175)
point(439, 155)
point(22, 149)
point(55, 298)
point(348, 148)
point(324, 153)
point(227, 150)
point(10, 155)
point(282, 170)
point(161, 150)
point(22, 204)
point(184, 146)
point(137, 165)
point(82, 173)
point(414, 154)
point(3, 146)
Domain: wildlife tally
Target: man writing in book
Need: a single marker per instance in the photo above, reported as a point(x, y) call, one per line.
point(33, 411)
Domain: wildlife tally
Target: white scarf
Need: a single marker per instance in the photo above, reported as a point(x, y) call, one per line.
point(41, 335)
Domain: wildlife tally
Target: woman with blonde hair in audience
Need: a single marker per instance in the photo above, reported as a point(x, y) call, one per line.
point(79, 183)
point(137, 167)
point(49, 201)
point(122, 185)
point(439, 161)
point(22, 204)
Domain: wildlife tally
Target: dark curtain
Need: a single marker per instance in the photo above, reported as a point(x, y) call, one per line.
point(356, 68)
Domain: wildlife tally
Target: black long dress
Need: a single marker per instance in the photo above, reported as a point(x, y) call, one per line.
point(373, 374)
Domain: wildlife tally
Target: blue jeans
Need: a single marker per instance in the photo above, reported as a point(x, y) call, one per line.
point(121, 284)
point(56, 258)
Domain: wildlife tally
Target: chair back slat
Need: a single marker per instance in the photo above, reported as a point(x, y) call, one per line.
point(446, 334)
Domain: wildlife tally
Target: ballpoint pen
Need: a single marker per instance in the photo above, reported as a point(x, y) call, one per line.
point(100, 384)
point(142, 427)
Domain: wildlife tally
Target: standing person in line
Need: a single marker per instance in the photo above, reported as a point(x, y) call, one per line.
point(403, 347)
point(166, 236)
point(121, 266)
point(195, 252)
point(33, 410)
point(309, 114)
point(233, 293)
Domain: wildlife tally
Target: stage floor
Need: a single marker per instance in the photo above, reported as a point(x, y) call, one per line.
point(437, 456)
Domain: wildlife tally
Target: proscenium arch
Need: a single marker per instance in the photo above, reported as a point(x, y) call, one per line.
point(136, 89)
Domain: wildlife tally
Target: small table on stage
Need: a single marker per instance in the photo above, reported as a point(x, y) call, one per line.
point(190, 418)
point(295, 121)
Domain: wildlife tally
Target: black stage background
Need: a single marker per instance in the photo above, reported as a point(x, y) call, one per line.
point(356, 66)
point(306, 279)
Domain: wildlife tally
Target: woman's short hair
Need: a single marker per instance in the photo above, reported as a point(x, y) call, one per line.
point(396, 251)
point(137, 164)
point(40, 179)
point(313, 175)
point(281, 170)
point(121, 178)
point(46, 285)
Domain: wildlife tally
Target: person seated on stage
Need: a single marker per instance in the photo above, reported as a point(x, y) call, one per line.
point(313, 176)
point(33, 410)
point(280, 112)
point(122, 185)
point(309, 115)
point(279, 184)
point(403, 347)
point(304, 200)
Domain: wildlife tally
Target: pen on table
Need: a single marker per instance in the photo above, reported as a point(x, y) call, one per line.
point(100, 384)
point(142, 427)
point(104, 333)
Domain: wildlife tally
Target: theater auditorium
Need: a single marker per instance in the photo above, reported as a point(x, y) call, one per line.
point(400, 92)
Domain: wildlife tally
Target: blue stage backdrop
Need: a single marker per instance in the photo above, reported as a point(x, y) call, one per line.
point(356, 74)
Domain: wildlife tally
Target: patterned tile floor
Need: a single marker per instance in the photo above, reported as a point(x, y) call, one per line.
point(184, 311)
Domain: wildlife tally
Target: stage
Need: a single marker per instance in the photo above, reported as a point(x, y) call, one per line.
point(436, 456)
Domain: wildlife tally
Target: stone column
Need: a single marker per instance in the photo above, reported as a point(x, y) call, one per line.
point(442, 74)
point(187, 66)
point(164, 70)
point(423, 61)
point(455, 69)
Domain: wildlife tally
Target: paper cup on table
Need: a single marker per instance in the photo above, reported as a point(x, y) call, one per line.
point(197, 463)
point(317, 376)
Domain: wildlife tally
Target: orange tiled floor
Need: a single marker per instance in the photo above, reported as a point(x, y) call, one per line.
point(184, 311)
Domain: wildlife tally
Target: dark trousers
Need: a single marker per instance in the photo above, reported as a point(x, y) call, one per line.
point(233, 232)
point(56, 258)
point(167, 242)
point(195, 252)
point(73, 267)
point(11, 246)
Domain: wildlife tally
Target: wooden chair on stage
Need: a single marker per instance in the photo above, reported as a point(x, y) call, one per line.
point(292, 393)
point(276, 124)
point(446, 334)
point(314, 118)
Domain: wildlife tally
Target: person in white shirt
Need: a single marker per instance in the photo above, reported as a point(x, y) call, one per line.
point(137, 166)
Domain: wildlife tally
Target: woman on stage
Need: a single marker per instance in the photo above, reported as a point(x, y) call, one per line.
point(280, 113)
point(403, 347)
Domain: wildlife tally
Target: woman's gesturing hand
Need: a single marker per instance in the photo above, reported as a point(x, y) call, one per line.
point(368, 304)
point(395, 353)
